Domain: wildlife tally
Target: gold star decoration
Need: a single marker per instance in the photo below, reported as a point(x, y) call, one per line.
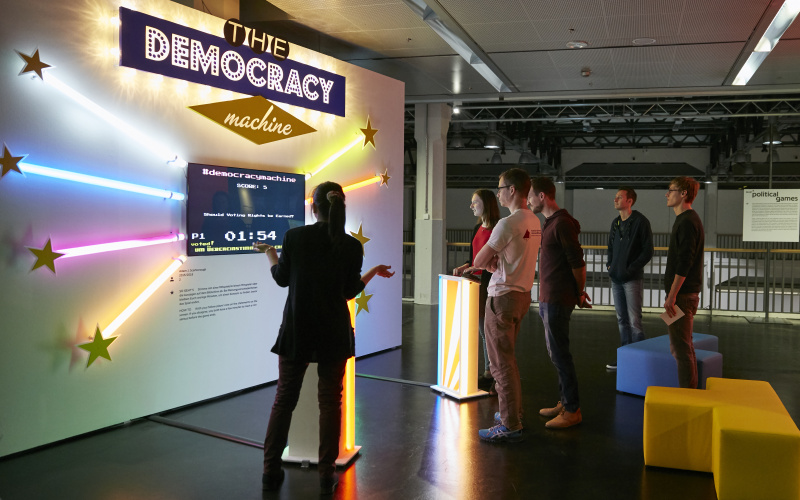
point(33, 64)
point(362, 302)
point(98, 347)
point(385, 177)
point(361, 238)
point(369, 134)
point(10, 162)
point(45, 257)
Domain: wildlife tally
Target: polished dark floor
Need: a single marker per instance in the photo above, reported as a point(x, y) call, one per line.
point(416, 444)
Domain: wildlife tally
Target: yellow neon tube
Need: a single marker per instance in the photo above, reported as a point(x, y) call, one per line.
point(350, 391)
point(334, 156)
point(110, 329)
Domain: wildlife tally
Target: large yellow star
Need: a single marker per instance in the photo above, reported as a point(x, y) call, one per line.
point(98, 347)
point(361, 238)
point(385, 177)
point(33, 63)
point(10, 162)
point(369, 134)
point(45, 257)
point(362, 302)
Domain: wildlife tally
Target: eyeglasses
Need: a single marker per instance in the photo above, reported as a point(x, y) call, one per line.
point(674, 190)
point(500, 188)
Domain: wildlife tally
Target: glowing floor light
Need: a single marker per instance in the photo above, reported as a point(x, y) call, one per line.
point(152, 145)
point(357, 185)
point(120, 245)
point(334, 156)
point(29, 168)
point(110, 329)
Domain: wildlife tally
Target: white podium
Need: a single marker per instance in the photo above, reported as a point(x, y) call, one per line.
point(457, 374)
point(303, 444)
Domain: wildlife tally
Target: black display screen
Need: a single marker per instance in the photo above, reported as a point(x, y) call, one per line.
point(228, 209)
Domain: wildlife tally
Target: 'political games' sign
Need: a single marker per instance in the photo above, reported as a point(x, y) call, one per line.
point(151, 44)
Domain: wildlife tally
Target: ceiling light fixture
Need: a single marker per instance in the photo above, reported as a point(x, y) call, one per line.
point(783, 19)
point(457, 43)
point(492, 140)
point(497, 159)
point(577, 44)
point(526, 158)
point(644, 41)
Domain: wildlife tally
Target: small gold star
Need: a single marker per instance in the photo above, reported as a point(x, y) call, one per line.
point(369, 134)
point(33, 63)
point(385, 177)
point(45, 257)
point(10, 162)
point(360, 237)
point(98, 347)
point(362, 302)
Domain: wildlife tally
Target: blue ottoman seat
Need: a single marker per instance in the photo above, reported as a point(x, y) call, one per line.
point(649, 362)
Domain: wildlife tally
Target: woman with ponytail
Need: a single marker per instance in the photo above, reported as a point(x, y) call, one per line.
point(321, 265)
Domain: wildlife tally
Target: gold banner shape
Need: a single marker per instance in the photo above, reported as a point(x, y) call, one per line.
point(254, 118)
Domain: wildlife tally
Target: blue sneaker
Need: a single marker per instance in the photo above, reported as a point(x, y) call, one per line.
point(500, 434)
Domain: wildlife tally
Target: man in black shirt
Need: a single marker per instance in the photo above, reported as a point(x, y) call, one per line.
point(684, 275)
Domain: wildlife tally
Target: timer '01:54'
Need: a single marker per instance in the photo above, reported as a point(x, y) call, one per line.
point(243, 235)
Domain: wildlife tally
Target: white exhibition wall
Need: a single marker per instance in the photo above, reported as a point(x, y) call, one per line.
point(159, 359)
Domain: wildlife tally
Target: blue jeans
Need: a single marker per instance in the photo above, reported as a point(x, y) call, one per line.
point(555, 319)
point(628, 303)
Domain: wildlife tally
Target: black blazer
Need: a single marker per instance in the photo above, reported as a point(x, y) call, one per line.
point(316, 321)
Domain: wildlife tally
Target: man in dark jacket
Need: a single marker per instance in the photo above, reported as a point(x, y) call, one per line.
point(630, 248)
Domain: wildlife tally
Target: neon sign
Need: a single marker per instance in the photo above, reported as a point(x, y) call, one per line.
point(151, 44)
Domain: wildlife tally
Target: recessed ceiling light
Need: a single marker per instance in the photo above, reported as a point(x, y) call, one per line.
point(644, 41)
point(577, 44)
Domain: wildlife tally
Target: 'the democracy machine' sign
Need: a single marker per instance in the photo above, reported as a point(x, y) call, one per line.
point(158, 46)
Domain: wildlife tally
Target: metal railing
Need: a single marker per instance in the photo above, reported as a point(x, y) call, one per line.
point(734, 281)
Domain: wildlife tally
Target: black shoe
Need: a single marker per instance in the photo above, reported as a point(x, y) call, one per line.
point(271, 482)
point(327, 484)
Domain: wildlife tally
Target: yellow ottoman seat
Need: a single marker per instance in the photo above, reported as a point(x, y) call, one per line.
point(737, 429)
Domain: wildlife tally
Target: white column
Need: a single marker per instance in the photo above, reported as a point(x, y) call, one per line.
point(430, 131)
point(711, 211)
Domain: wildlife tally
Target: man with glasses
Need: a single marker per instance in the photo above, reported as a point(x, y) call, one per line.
point(684, 276)
point(510, 254)
point(630, 248)
point(562, 277)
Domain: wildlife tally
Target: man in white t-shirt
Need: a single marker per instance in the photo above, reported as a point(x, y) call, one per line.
point(510, 254)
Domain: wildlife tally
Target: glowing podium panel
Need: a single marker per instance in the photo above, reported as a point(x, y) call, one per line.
point(303, 444)
point(457, 374)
